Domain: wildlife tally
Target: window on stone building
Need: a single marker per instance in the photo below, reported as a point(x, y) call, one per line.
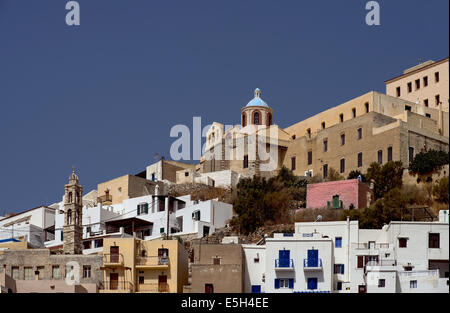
point(325, 145)
point(425, 81)
point(437, 99)
point(325, 171)
point(55, 271)
point(323, 125)
point(433, 241)
point(398, 92)
point(354, 112)
point(342, 139)
point(436, 77)
point(308, 132)
point(293, 163)
point(15, 272)
point(367, 107)
point(28, 273)
point(293, 137)
point(425, 102)
point(309, 157)
point(381, 283)
point(359, 133)
point(417, 84)
point(141, 280)
point(413, 284)
point(86, 271)
point(98, 243)
point(389, 154)
point(341, 117)
point(41, 272)
point(245, 165)
point(269, 119)
point(244, 120)
point(186, 174)
point(409, 87)
point(256, 118)
point(380, 156)
point(407, 108)
point(428, 115)
point(216, 261)
point(411, 154)
point(342, 166)
point(360, 156)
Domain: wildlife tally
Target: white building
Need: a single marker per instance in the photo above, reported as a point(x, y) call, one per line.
point(32, 225)
point(402, 257)
point(146, 217)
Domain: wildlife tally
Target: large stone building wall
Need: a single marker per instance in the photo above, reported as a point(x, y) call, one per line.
point(419, 72)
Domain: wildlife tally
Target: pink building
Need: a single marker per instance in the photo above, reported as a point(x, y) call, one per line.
point(339, 194)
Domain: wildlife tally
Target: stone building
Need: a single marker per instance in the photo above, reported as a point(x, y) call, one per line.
point(373, 127)
point(73, 216)
point(426, 83)
point(217, 268)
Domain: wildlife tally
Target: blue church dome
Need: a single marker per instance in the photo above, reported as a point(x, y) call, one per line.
point(257, 101)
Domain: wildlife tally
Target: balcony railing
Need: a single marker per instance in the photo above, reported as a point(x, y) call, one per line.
point(312, 263)
point(366, 246)
point(152, 261)
point(420, 273)
point(284, 264)
point(113, 259)
point(104, 199)
point(116, 285)
point(153, 287)
point(382, 263)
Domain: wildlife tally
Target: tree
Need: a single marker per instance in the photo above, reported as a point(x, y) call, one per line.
point(258, 201)
point(385, 177)
point(440, 190)
point(425, 164)
point(355, 174)
point(333, 175)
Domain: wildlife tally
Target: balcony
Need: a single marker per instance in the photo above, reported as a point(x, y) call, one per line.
point(284, 264)
point(152, 262)
point(115, 286)
point(366, 246)
point(112, 260)
point(105, 199)
point(312, 264)
point(154, 288)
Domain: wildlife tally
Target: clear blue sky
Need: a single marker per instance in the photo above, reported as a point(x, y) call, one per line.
point(103, 96)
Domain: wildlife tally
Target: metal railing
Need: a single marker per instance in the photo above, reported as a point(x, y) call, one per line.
point(152, 260)
point(153, 287)
point(420, 273)
point(113, 258)
point(104, 198)
point(116, 285)
point(382, 263)
point(312, 263)
point(366, 246)
point(284, 263)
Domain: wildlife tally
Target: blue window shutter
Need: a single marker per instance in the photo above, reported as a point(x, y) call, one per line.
point(277, 283)
point(138, 209)
point(342, 268)
point(291, 283)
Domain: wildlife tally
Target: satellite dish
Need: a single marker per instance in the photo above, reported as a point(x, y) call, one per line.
point(319, 218)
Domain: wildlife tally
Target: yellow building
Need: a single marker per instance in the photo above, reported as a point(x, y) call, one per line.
point(148, 266)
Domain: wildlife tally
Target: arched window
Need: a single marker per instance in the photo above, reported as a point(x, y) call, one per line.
point(70, 198)
point(143, 253)
point(69, 217)
point(269, 119)
point(244, 119)
point(256, 118)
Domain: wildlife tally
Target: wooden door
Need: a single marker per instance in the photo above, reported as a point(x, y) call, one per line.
point(113, 281)
point(114, 254)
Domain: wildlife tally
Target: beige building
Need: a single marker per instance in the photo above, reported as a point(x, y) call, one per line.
point(150, 266)
point(125, 187)
point(373, 127)
point(166, 170)
point(217, 268)
point(426, 83)
point(36, 270)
